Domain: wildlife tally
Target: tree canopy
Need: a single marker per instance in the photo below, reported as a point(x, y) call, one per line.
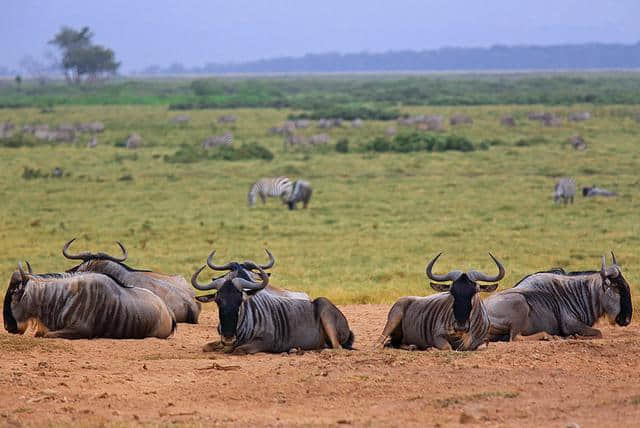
point(81, 59)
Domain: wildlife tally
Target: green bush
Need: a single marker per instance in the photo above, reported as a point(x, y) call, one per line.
point(349, 112)
point(417, 142)
point(17, 140)
point(342, 146)
point(189, 154)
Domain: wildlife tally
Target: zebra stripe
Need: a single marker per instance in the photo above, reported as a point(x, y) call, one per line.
point(269, 187)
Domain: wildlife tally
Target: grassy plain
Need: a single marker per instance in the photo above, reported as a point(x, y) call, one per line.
point(374, 219)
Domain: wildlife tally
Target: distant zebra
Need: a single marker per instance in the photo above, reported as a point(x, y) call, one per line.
point(565, 189)
point(274, 187)
point(300, 192)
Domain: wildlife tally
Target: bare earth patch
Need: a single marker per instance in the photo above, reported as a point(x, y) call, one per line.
point(162, 382)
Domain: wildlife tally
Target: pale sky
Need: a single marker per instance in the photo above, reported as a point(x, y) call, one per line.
point(196, 32)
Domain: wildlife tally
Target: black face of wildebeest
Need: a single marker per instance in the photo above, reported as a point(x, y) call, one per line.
point(230, 294)
point(228, 298)
point(14, 293)
point(463, 288)
point(616, 284)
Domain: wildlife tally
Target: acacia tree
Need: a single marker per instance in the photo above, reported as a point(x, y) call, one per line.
point(81, 59)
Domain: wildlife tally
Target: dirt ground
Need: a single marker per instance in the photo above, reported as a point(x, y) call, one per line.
point(166, 382)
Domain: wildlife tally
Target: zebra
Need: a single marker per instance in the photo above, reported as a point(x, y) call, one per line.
point(300, 192)
point(564, 189)
point(275, 187)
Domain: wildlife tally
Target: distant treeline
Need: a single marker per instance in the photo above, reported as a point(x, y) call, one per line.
point(370, 96)
point(558, 57)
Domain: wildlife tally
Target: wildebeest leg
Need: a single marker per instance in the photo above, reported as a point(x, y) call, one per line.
point(250, 348)
point(68, 333)
point(264, 199)
point(543, 335)
point(585, 331)
point(442, 343)
point(393, 327)
point(213, 346)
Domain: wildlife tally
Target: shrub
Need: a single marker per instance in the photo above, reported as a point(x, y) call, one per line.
point(17, 140)
point(189, 154)
point(31, 173)
point(342, 146)
point(349, 112)
point(416, 142)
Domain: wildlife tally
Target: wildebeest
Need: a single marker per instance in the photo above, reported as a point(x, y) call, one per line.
point(173, 290)
point(83, 306)
point(300, 192)
point(454, 318)
point(565, 190)
point(251, 320)
point(560, 303)
point(592, 191)
point(244, 271)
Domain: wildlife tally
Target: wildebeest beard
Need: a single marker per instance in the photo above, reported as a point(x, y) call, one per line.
point(10, 323)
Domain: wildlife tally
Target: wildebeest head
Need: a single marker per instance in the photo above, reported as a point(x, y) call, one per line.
point(617, 293)
point(229, 296)
point(12, 312)
point(463, 287)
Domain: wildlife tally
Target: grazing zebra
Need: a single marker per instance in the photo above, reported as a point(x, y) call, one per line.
point(275, 187)
point(300, 192)
point(565, 189)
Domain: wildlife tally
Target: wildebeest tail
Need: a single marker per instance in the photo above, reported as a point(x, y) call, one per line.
point(192, 316)
point(348, 344)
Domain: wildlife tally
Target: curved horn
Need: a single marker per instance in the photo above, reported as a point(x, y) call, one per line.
point(29, 266)
point(23, 276)
point(242, 283)
point(213, 285)
point(88, 256)
point(474, 275)
point(451, 276)
point(271, 261)
point(216, 267)
point(611, 272)
point(613, 257)
point(82, 256)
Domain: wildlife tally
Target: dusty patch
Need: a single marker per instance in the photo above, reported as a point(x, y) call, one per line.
point(542, 383)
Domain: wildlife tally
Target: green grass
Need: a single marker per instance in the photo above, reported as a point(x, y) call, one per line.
point(374, 218)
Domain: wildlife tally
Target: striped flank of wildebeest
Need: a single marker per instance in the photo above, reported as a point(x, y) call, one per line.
point(300, 191)
point(564, 190)
point(174, 290)
point(252, 320)
point(268, 187)
point(453, 319)
point(83, 306)
point(560, 303)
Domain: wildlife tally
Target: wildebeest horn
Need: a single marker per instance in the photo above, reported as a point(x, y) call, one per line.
point(216, 267)
point(451, 276)
point(28, 266)
point(88, 256)
point(213, 285)
point(271, 261)
point(23, 276)
point(611, 272)
point(474, 275)
point(613, 258)
point(242, 283)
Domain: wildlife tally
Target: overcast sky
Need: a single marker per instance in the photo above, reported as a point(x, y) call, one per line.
point(195, 32)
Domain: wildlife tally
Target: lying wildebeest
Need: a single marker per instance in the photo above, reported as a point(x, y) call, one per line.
point(83, 306)
point(455, 318)
point(244, 271)
point(564, 189)
point(592, 191)
point(252, 320)
point(560, 303)
point(173, 290)
point(300, 192)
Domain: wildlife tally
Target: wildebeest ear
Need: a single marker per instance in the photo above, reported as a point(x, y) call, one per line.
point(440, 287)
point(487, 288)
point(206, 298)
